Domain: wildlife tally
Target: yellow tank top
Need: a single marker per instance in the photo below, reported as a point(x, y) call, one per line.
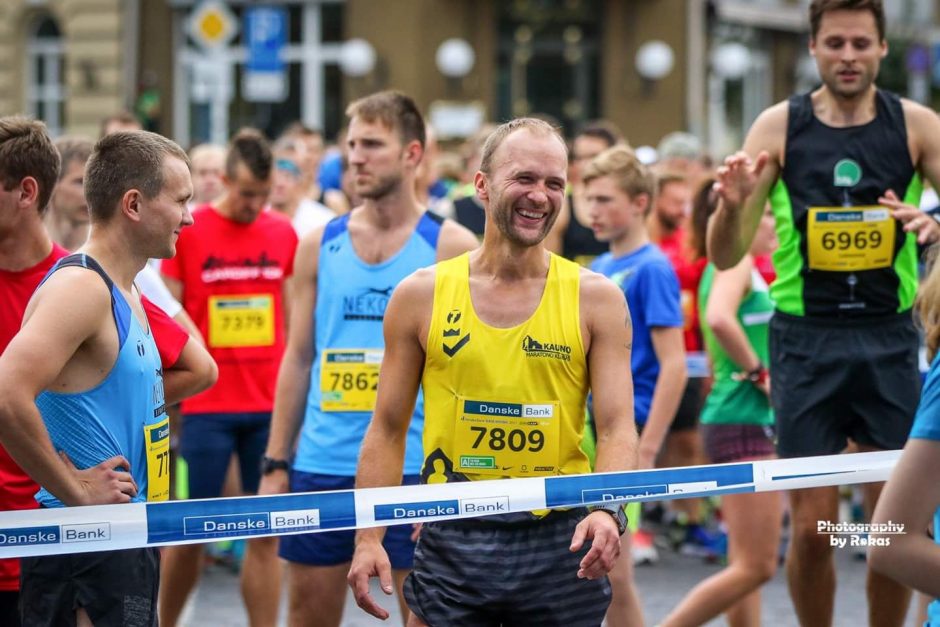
point(504, 402)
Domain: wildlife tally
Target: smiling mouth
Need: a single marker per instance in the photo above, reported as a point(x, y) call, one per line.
point(531, 214)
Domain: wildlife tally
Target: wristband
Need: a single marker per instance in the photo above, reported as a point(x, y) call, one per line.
point(269, 465)
point(758, 376)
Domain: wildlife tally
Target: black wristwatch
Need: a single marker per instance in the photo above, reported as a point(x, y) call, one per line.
point(618, 513)
point(269, 465)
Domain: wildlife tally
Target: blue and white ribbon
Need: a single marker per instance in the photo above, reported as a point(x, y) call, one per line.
point(109, 527)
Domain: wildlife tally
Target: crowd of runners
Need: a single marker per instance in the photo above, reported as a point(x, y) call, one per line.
point(278, 315)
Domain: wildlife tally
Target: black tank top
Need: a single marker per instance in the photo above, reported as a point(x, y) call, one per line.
point(578, 242)
point(469, 213)
point(840, 254)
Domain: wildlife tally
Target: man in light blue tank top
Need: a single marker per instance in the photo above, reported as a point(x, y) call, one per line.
point(344, 275)
point(83, 410)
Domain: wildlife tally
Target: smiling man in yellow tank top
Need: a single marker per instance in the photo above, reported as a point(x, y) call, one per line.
point(506, 341)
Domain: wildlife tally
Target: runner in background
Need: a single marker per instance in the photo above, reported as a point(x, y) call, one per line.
point(346, 272)
point(571, 235)
point(288, 195)
point(618, 193)
point(737, 423)
point(668, 227)
point(29, 167)
point(208, 170)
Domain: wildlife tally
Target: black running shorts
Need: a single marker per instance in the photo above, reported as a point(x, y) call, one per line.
point(838, 379)
point(116, 588)
point(476, 573)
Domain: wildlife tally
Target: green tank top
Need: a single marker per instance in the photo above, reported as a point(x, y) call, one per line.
point(730, 401)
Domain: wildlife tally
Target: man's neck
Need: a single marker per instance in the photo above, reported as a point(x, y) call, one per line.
point(288, 209)
point(66, 233)
point(392, 210)
point(657, 230)
point(501, 260)
point(629, 242)
point(118, 259)
point(24, 247)
point(840, 112)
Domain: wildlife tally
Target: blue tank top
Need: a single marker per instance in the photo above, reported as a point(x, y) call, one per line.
point(351, 300)
point(122, 415)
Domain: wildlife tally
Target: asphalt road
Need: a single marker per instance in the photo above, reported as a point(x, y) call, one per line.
point(217, 601)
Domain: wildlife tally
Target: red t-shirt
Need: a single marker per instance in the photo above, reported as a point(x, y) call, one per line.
point(690, 272)
point(169, 336)
point(765, 266)
point(16, 488)
point(233, 277)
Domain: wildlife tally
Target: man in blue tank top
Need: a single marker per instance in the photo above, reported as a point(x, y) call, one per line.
point(345, 272)
point(83, 398)
point(842, 168)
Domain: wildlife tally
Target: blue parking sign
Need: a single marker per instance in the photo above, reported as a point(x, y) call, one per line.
point(265, 77)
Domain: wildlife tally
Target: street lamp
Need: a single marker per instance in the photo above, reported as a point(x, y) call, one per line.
point(455, 58)
point(357, 57)
point(731, 60)
point(654, 61)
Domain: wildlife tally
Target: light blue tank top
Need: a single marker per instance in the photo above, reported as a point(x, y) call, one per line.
point(351, 300)
point(111, 418)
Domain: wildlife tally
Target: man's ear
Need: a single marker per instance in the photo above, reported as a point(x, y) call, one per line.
point(482, 185)
point(29, 191)
point(131, 204)
point(414, 153)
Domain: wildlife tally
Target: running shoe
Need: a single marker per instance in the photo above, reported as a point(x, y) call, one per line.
point(642, 549)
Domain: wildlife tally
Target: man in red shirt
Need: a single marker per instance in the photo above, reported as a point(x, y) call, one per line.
point(230, 272)
point(29, 167)
point(667, 227)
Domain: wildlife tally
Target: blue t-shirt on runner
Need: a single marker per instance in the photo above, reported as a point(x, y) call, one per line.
point(652, 290)
point(927, 427)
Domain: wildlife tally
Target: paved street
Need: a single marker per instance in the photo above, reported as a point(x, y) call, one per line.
point(661, 586)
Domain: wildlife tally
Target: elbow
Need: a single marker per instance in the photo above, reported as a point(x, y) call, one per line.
point(718, 322)
point(208, 374)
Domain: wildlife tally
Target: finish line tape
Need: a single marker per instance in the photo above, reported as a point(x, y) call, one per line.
point(110, 527)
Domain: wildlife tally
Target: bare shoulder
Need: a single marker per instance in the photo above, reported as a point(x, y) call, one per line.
point(417, 287)
point(409, 309)
point(769, 131)
point(79, 291)
point(916, 111)
point(455, 239)
point(308, 252)
point(918, 118)
point(600, 294)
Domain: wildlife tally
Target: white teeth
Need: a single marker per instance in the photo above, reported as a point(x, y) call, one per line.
point(530, 214)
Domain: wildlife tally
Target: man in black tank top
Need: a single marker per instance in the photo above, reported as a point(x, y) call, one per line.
point(572, 237)
point(842, 168)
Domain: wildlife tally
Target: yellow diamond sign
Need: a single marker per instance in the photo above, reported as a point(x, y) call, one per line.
point(212, 24)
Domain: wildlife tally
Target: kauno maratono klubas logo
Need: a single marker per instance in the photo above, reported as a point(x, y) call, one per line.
point(534, 348)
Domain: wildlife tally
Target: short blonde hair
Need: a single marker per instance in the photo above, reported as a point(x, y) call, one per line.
point(621, 164)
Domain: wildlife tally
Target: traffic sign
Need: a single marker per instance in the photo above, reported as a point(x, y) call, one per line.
point(212, 24)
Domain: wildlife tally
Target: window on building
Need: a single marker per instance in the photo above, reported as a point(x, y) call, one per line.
point(548, 60)
point(45, 74)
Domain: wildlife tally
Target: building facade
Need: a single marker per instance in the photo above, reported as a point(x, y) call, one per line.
point(190, 68)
